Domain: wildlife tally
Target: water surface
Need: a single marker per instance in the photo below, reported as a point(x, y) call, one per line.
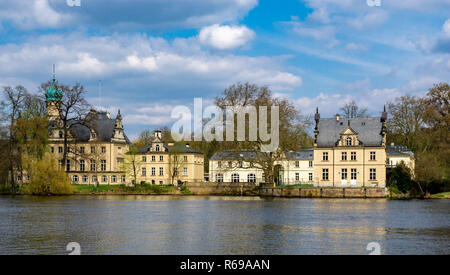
point(221, 225)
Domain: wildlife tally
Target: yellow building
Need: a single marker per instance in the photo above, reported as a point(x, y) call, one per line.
point(168, 163)
point(350, 152)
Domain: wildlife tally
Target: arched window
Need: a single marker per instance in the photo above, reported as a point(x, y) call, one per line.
point(235, 178)
point(349, 141)
point(60, 134)
point(251, 178)
point(219, 177)
point(157, 148)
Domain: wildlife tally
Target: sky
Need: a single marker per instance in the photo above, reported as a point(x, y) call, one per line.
point(152, 55)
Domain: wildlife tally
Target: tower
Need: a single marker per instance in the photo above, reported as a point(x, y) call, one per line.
point(118, 135)
point(53, 97)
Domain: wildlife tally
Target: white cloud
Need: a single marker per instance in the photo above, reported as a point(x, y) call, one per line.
point(446, 28)
point(356, 47)
point(225, 37)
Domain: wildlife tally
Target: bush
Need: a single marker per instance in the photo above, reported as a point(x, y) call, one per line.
point(401, 181)
point(46, 178)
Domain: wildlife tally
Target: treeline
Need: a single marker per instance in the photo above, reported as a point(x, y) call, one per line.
point(423, 124)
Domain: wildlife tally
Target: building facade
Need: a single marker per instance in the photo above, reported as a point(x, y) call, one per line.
point(397, 154)
point(350, 152)
point(237, 166)
point(168, 163)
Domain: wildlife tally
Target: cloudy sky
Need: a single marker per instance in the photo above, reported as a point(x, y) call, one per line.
point(155, 54)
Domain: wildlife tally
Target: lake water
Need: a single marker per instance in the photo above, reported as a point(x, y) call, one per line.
point(222, 225)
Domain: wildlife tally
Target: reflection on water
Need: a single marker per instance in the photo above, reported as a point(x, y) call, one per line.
point(221, 225)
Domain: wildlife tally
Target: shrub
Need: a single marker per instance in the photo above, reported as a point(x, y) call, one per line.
point(46, 178)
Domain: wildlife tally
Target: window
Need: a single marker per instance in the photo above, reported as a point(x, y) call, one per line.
point(144, 159)
point(297, 163)
point(68, 165)
point(92, 150)
point(310, 164)
point(60, 149)
point(85, 178)
point(230, 164)
point(144, 172)
point(113, 178)
point(60, 163)
point(353, 174)
point(344, 155)
point(373, 174)
point(104, 178)
point(94, 178)
point(82, 149)
point(185, 159)
point(372, 156)
point(103, 165)
point(153, 158)
point(161, 158)
point(103, 149)
point(325, 156)
point(325, 174)
point(219, 177)
point(75, 178)
point(82, 165)
point(160, 182)
point(52, 149)
point(349, 141)
point(219, 164)
point(153, 171)
point(240, 164)
point(235, 178)
point(310, 176)
point(185, 171)
point(344, 173)
point(297, 176)
point(353, 155)
point(251, 178)
point(175, 171)
point(120, 160)
point(92, 165)
point(19, 178)
point(119, 150)
point(157, 148)
point(175, 158)
point(123, 178)
point(161, 171)
point(60, 134)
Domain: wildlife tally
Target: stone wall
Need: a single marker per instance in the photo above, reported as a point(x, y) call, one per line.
point(324, 192)
point(228, 189)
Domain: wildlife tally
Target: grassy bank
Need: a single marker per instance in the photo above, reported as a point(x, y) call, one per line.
point(123, 189)
point(444, 195)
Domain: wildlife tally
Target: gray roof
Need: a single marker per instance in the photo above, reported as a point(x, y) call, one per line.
point(177, 148)
point(301, 154)
point(249, 155)
point(398, 150)
point(368, 129)
point(102, 125)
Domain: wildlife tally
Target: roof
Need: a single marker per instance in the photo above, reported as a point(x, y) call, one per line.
point(368, 130)
point(101, 124)
point(53, 93)
point(301, 154)
point(176, 148)
point(398, 150)
point(249, 155)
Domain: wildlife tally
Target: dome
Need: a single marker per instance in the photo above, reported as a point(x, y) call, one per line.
point(53, 93)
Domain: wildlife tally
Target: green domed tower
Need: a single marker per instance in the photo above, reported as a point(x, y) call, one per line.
point(53, 97)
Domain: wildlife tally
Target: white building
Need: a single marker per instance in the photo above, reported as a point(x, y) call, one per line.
point(237, 166)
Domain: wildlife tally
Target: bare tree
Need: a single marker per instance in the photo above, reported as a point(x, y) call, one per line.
point(132, 163)
point(176, 163)
point(351, 110)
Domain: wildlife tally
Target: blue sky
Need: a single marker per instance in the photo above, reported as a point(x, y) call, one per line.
point(153, 55)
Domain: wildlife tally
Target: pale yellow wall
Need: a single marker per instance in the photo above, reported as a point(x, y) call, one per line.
point(363, 164)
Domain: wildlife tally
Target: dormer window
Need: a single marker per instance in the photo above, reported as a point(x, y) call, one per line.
point(157, 148)
point(349, 141)
point(60, 134)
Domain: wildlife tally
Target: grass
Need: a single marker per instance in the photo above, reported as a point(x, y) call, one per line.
point(121, 189)
point(444, 195)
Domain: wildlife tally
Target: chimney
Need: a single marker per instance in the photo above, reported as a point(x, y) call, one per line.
point(338, 117)
point(158, 134)
point(392, 144)
point(187, 145)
